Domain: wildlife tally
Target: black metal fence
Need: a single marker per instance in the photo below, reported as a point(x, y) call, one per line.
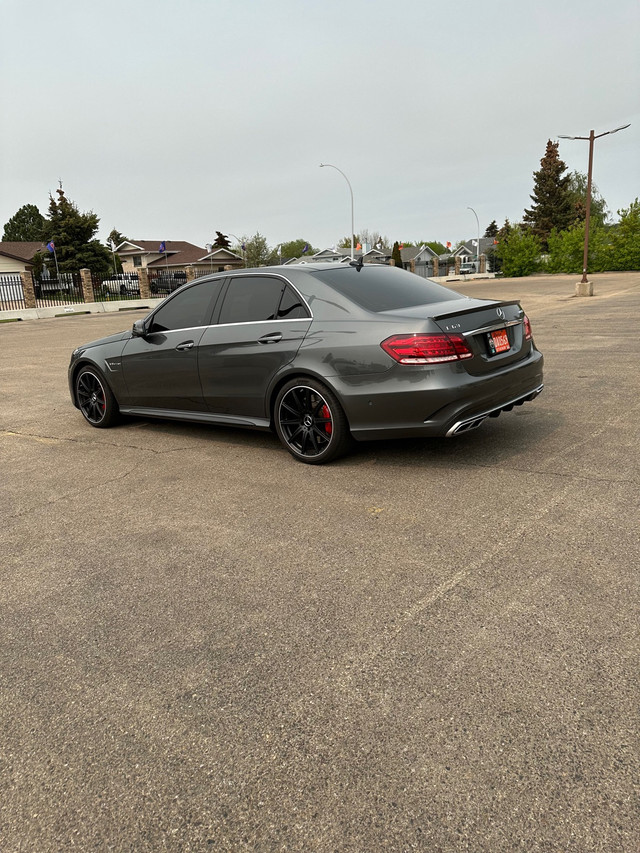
point(11, 293)
point(67, 289)
point(64, 290)
point(107, 288)
point(164, 282)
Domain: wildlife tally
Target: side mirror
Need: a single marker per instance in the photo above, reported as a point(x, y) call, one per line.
point(139, 329)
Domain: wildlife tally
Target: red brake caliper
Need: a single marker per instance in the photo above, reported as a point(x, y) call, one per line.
point(325, 413)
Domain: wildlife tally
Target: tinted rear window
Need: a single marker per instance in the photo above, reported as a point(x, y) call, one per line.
point(382, 288)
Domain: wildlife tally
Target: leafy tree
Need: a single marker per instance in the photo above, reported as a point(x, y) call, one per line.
point(436, 247)
point(578, 193)
point(375, 239)
point(396, 255)
point(492, 229)
point(625, 239)
point(615, 247)
point(520, 252)
point(73, 234)
point(566, 249)
point(552, 203)
point(292, 249)
point(26, 226)
point(256, 252)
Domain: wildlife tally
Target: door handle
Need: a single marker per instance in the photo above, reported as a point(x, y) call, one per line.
point(271, 338)
point(185, 346)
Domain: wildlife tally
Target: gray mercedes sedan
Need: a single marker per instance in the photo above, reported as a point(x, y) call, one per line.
point(320, 353)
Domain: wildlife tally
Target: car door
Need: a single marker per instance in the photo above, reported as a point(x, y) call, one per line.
point(161, 368)
point(261, 324)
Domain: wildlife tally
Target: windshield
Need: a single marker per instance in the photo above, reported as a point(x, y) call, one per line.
point(382, 288)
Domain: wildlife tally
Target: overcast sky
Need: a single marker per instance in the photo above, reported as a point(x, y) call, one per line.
point(172, 120)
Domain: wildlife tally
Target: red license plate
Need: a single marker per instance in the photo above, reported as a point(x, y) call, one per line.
point(498, 341)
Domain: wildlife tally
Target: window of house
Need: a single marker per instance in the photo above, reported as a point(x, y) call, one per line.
point(137, 260)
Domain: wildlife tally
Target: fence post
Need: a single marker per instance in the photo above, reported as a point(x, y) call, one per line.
point(143, 281)
point(191, 273)
point(28, 289)
point(456, 265)
point(87, 285)
point(436, 270)
point(483, 263)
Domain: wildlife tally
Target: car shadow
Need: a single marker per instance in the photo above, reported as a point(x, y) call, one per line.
point(497, 442)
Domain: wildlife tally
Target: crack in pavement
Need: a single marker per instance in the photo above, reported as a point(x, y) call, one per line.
point(52, 439)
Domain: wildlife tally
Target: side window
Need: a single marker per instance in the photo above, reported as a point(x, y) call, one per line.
point(251, 299)
point(188, 309)
point(291, 305)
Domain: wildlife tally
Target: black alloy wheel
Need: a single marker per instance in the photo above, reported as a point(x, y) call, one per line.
point(310, 422)
point(96, 402)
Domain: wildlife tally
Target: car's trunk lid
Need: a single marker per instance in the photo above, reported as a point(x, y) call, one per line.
point(493, 329)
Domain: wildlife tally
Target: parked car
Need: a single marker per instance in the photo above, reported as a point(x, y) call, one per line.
point(122, 283)
point(320, 354)
point(167, 282)
point(62, 284)
point(467, 268)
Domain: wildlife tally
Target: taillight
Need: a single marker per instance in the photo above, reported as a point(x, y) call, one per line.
point(426, 349)
point(527, 328)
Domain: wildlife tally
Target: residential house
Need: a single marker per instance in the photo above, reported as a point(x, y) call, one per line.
point(177, 257)
point(343, 255)
point(18, 257)
point(468, 251)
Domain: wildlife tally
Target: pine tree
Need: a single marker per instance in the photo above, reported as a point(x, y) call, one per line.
point(552, 204)
point(73, 234)
point(397, 256)
point(221, 241)
point(25, 226)
point(492, 229)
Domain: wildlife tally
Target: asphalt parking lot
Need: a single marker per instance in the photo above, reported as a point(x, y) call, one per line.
point(428, 645)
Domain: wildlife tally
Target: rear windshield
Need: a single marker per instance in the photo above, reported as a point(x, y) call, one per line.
point(382, 288)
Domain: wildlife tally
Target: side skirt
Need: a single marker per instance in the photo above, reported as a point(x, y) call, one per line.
point(196, 417)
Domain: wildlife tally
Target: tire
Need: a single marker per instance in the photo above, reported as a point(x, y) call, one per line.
point(95, 399)
point(310, 422)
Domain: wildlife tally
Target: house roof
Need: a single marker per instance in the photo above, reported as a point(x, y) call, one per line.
point(21, 251)
point(194, 256)
point(408, 253)
point(469, 248)
point(153, 246)
point(178, 252)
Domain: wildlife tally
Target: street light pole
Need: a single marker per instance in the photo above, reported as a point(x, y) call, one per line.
point(478, 246)
point(591, 139)
point(237, 239)
point(322, 166)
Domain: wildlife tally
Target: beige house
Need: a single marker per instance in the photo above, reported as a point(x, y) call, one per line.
point(178, 255)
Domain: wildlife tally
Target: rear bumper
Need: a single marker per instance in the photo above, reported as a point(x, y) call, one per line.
point(437, 402)
point(474, 422)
